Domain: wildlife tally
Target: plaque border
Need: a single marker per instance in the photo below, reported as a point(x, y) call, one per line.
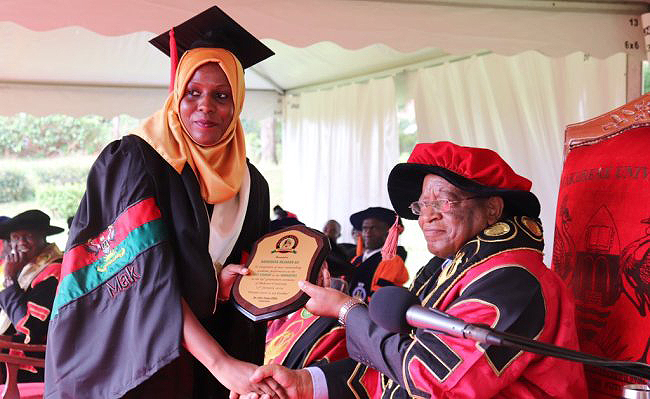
point(295, 302)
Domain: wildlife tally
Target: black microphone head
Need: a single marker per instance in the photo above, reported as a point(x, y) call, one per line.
point(388, 308)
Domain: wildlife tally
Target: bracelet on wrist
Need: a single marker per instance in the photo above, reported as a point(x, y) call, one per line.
point(345, 309)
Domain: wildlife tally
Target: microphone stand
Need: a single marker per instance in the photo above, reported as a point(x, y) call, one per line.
point(408, 312)
point(494, 337)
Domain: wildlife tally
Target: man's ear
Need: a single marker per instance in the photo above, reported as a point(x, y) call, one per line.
point(494, 206)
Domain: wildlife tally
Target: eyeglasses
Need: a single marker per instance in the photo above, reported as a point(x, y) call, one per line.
point(441, 205)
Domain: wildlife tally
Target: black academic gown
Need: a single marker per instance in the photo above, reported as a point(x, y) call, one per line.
point(137, 245)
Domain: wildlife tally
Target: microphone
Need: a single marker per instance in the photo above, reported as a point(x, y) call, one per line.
point(397, 310)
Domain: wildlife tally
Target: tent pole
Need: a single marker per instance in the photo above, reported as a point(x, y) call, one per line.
point(633, 77)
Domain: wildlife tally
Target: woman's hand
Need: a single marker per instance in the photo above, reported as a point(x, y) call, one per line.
point(232, 373)
point(227, 279)
point(235, 375)
point(297, 384)
point(324, 301)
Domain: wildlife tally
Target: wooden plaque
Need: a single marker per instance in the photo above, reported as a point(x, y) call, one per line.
point(277, 262)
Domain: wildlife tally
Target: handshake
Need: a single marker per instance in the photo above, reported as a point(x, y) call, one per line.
point(248, 381)
point(273, 381)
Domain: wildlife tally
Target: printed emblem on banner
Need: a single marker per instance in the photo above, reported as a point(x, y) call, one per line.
point(635, 264)
point(286, 244)
point(597, 279)
point(564, 248)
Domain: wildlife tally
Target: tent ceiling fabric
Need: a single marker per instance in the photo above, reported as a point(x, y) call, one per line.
point(407, 26)
point(103, 44)
point(77, 56)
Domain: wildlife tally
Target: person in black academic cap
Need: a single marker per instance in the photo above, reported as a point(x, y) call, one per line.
point(372, 271)
point(142, 302)
point(282, 214)
point(30, 275)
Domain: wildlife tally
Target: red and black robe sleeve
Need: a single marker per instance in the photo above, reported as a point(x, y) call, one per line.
point(29, 310)
point(505, 292)
point(306, 340)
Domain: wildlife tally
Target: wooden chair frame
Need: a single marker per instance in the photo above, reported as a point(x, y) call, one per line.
point(13, 363)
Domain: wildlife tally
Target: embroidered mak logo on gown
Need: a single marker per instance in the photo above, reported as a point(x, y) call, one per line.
point(91, 264)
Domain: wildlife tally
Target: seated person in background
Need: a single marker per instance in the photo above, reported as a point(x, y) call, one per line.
point(332, 230)
point(352, 250)
point(277, 224)
point(282, 214)
point(338, 261)
point(371, 271)
point(29, 280)
point(480, 221)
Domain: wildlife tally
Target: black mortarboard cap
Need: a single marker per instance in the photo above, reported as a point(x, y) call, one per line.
point(214, 28)
point(376, 212)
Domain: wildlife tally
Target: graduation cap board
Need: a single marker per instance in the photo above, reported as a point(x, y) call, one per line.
point(214, 28)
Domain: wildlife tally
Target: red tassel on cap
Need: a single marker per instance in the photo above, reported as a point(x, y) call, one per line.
point(389, 250)
point(173, 56)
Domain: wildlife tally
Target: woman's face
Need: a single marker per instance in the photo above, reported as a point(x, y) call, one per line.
point(206, 107)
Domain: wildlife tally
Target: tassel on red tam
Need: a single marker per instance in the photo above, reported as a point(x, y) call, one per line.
point(173, 55)
point(389, 250)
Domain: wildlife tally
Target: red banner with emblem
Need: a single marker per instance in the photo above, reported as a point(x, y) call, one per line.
point(602, 238)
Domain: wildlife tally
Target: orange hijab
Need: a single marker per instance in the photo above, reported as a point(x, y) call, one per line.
point(218, 168)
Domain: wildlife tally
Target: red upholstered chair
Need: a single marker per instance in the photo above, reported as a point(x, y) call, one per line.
point(11, 388)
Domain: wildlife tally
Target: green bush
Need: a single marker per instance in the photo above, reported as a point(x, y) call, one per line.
point(28, 135)
point(62, 175)
point(14, 186)
point(62, 200)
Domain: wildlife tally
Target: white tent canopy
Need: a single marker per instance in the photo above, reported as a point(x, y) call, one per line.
point(74, 50)
point(503, 26)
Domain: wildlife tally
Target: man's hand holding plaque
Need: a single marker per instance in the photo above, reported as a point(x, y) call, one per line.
point(277, 262)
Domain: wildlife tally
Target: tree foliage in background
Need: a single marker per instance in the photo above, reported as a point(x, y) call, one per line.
point(251, 129)
point(646, 77)
point(406, 129)
point(56, 185)
point(263, 146)
point(62, 175)
point(15, 186)
point(63, 201)
point(25, 135)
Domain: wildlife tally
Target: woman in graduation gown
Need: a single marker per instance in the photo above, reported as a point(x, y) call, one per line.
point(165, 208)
